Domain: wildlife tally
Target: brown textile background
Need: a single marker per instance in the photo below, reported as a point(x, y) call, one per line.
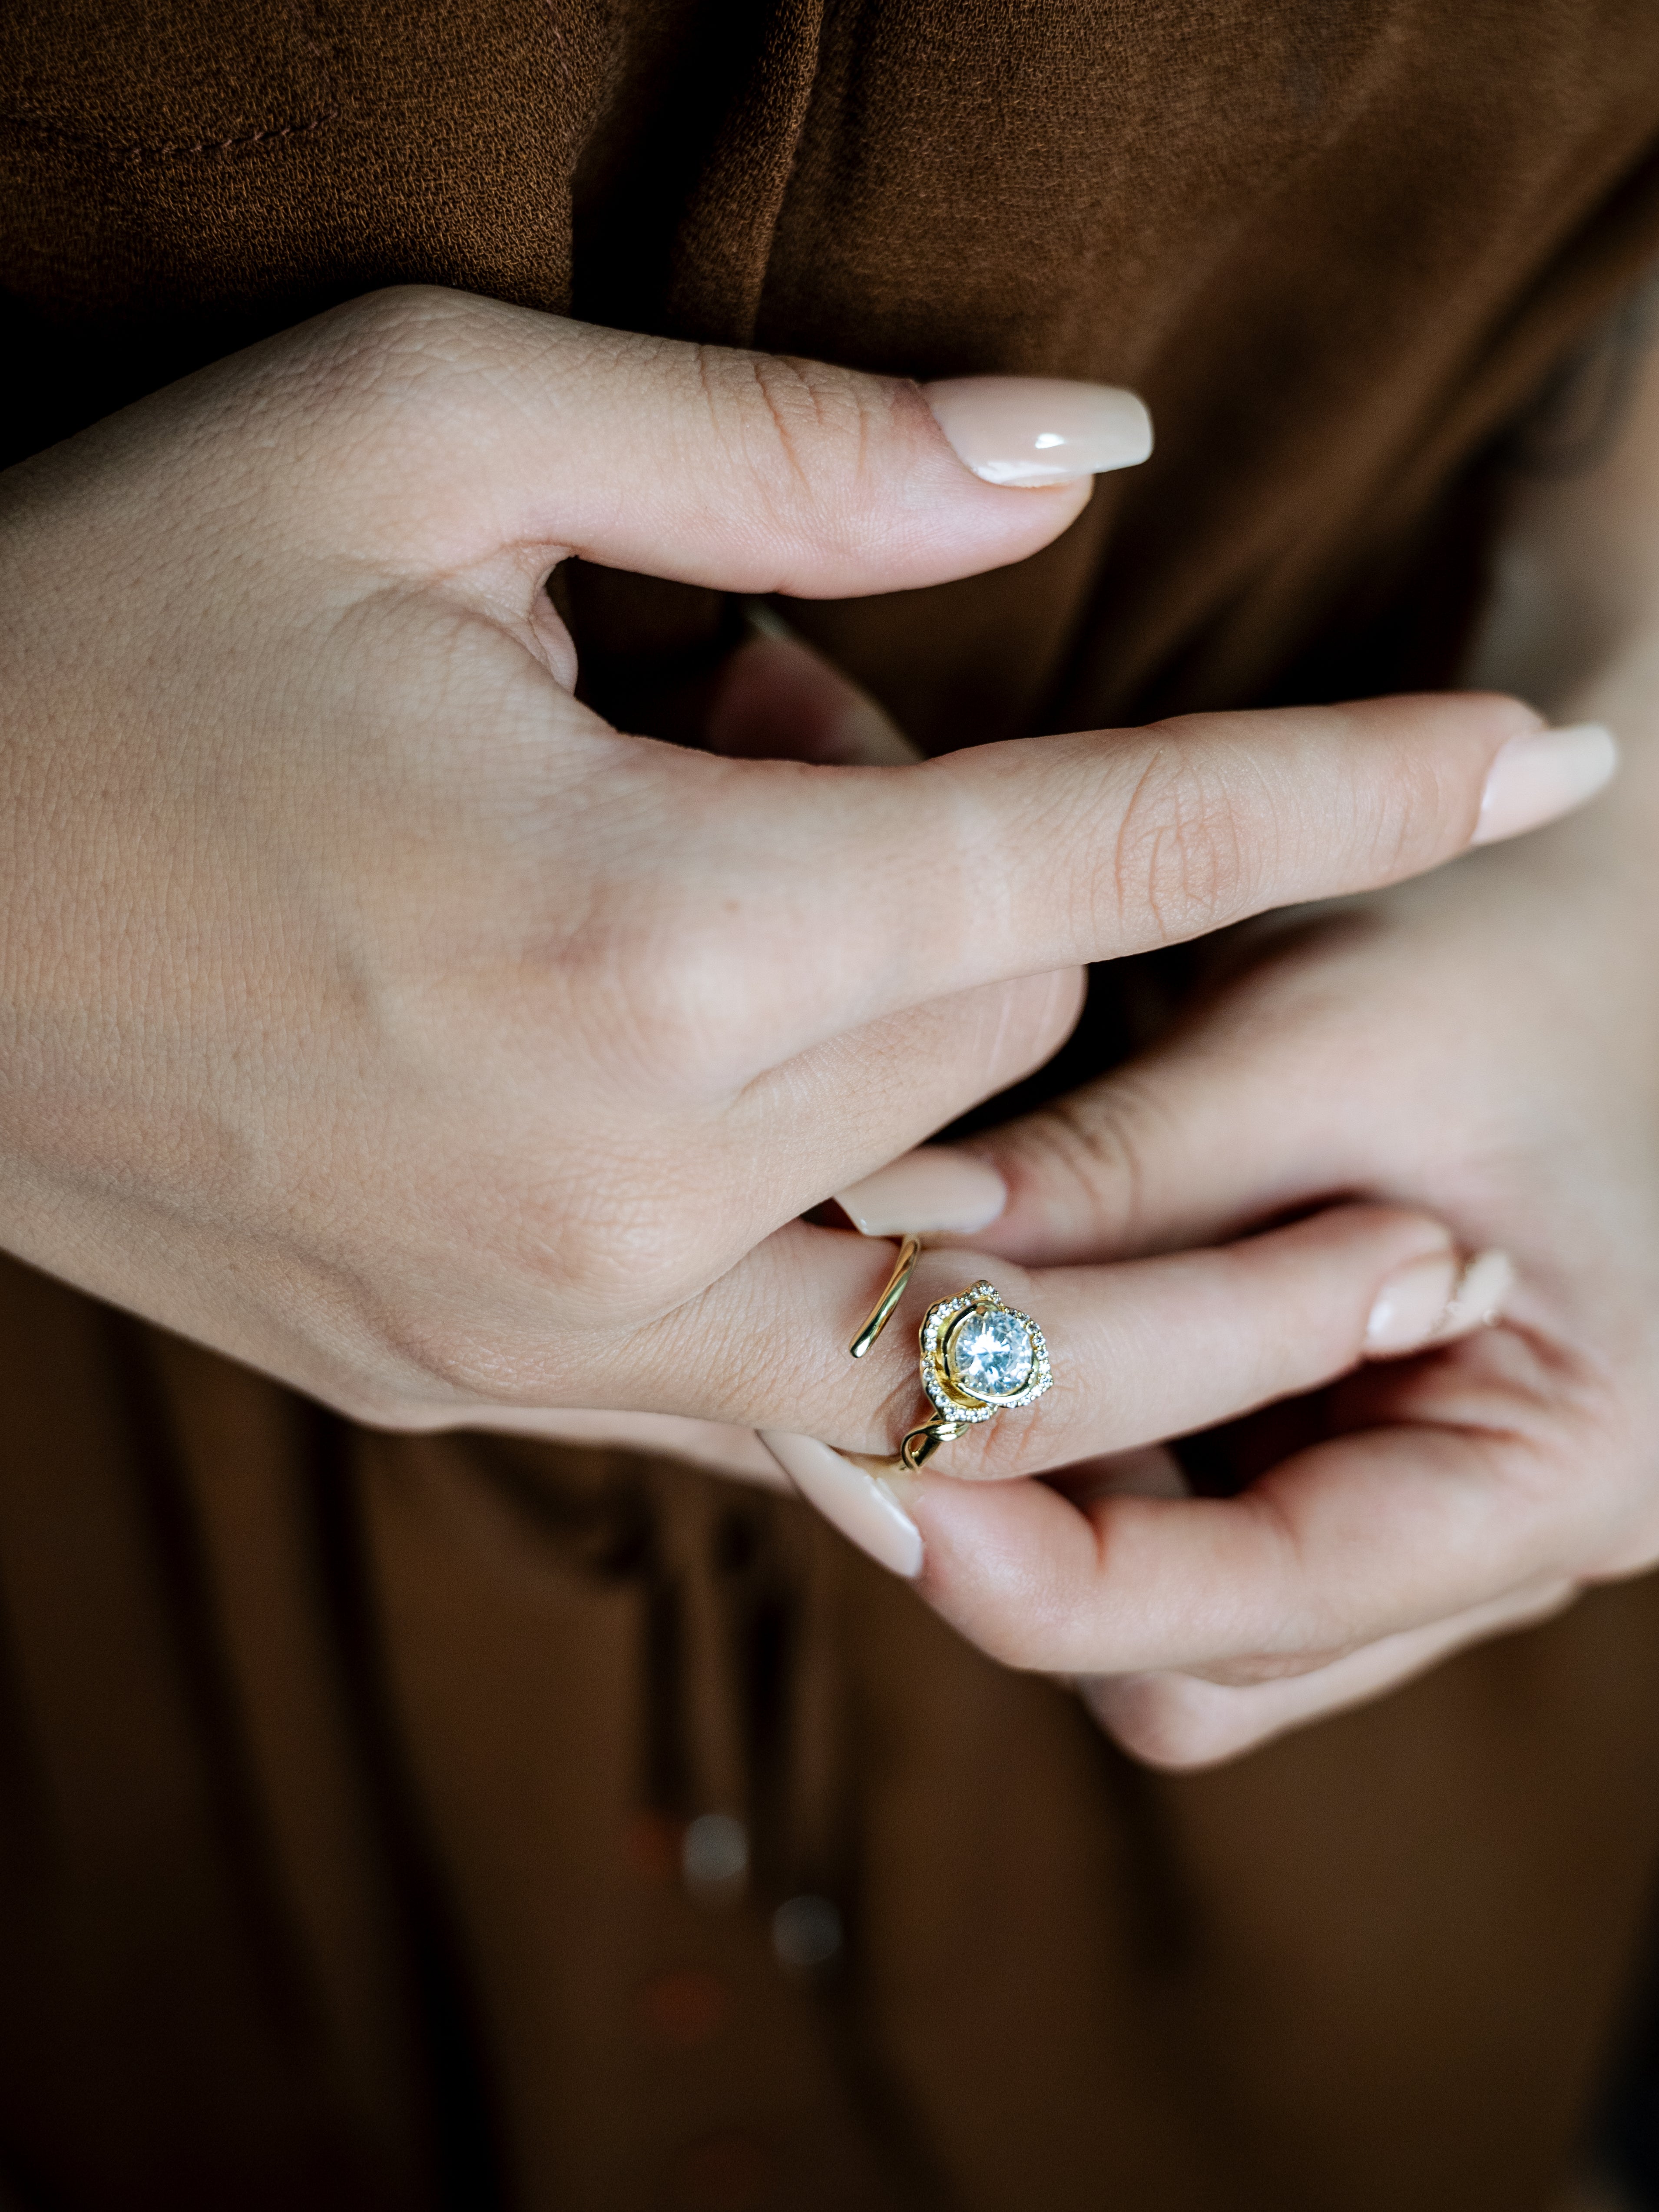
point(1336, 243)
point(340, 1775)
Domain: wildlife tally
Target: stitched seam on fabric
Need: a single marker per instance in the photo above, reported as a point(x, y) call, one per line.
point(140, 150)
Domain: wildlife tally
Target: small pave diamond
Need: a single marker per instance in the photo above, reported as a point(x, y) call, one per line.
point(991, 1353)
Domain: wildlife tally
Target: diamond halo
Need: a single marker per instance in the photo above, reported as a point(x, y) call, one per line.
point(950, 1395)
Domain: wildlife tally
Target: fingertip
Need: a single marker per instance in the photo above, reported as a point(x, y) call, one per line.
point(1411, 1305)
point(1505, 710)
point(1480, 1295)
point(933, 1189)
point(764, 474)
point(860, 1502)
point(1540, 774)
point(1436, 1300)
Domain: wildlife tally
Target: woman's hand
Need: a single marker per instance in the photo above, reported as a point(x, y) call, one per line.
point(1485, 1048)
point(1484, 1045)
point(377, 1014)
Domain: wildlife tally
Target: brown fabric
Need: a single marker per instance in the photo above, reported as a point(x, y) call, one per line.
point(1336, 243)
point(343, 1776)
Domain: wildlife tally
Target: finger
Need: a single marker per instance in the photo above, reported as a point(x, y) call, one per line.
point(1358, 1538)
point(1006, 860)
point(1180, 1722)
point(743, 471)
point(1140, 1352)
point(1190, 1144)
point(776, 698)
point(1261, 1102)
point(875, 1090)
point(887, 888)
point(1149, 1471)
point(1229, 1121)
point(837, 1111)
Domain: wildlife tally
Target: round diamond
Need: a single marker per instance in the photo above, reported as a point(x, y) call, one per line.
point(991, 1354)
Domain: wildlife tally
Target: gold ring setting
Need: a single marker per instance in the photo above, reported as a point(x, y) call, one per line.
point(979, 1357)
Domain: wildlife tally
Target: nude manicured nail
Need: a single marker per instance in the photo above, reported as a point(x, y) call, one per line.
point(1411, 1304)
point(1541, 774)
point(1436, 1299)
point(861, 1505)
point(1040, 429)
point(1477, 1300)
point(928, 1190)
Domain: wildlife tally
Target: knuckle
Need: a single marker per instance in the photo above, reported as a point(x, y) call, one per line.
point(1181, 863)
point(609, 1242)
point(663, 995)
point(404, 313)
point(799, 426)
point(417, 1371)
point(560, 1282)
point(1412, 809)
point(459, 1357)
point(660, 971)
point(627, 1257)
point(388, 380)
point(404, 328)
point(452, 1366)
point(1087, 1155)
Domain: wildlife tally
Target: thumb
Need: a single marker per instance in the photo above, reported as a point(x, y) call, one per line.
point(741, 471)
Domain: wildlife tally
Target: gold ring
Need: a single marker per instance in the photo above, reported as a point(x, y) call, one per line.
point(979, 1356)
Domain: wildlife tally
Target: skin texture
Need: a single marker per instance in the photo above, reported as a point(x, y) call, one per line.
point(1483, 1045)
point(374, 1013)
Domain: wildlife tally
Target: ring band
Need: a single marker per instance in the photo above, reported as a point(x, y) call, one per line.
point(881, 1313)
point(979, 1356)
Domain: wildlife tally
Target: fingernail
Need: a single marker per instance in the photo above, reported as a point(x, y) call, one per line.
point(861, 1505)
point(930, 1189)
point(1541, 774)
point(1411, 1304)
point(1433, 1300)
point(1040, 429)
point(1478, 1295)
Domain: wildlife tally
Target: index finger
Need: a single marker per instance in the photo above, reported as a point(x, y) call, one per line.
point(882, 888)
